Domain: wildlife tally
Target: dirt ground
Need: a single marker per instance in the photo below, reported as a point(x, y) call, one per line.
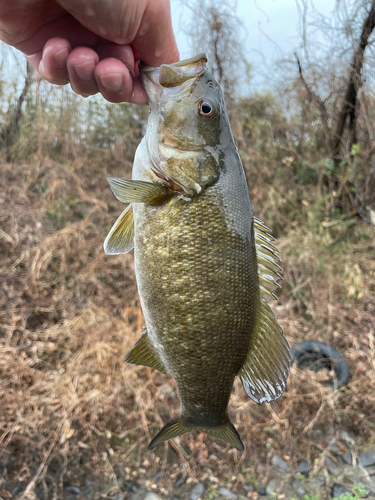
point(75, 419)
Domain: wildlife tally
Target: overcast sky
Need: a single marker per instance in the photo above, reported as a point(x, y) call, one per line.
point(273, 28)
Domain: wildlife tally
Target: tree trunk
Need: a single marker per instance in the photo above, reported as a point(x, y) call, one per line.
point(348, 106)
point(9, 134)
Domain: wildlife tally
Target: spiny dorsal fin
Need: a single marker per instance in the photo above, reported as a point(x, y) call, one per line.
point(121, 236)
point(267, 256)
point(265, 371)
point(143, 353)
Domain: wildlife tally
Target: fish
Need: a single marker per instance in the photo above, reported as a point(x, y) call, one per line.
point(205, 266)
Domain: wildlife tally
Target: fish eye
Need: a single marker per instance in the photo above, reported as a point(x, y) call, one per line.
point(206, 109)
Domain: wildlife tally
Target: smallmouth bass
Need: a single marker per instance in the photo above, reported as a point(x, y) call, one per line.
point(205, 266)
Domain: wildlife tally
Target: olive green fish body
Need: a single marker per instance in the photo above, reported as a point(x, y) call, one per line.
point(205, 266)
point(197, 277)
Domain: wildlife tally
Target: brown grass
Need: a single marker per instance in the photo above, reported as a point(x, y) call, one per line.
point(73, 413)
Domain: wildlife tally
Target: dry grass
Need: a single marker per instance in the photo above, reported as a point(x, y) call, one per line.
point(73, 413)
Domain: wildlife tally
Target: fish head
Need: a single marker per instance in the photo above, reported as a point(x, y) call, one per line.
point(186, 123)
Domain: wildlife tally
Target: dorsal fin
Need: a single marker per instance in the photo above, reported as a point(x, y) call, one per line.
point(268, 257)
point(265, 371)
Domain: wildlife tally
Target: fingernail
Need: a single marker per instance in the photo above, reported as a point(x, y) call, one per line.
point(112, 81)
point(60, 58)
point(85, 70)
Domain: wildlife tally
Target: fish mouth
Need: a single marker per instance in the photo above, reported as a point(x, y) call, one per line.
point(175, 74)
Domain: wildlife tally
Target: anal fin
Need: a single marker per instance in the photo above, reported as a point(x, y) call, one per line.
point(265, 371)
point(143, 353)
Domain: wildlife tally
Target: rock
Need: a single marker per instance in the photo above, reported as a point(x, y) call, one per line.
point(347, 438)
point(131, 487)
point(370, 471)
point(227, 493)
point(197, 491)
point(303, 468)
point(320, 481)
point(333, 447)
point(367, 458)
point(119, 496)
point(338, 490)
point(331, 466)
point(355, 476)
point(326, 431)
point(73, 490)
point(298, 487)
point(20, 486)
point(262, 492)
point(180, 481)
point(347, 457)
point(352, 474)
point(280, 464)
point(157, 476)
point(151, 496)
point(88, 480)
point(249, 487)
point(38, 492)
point(273, 486)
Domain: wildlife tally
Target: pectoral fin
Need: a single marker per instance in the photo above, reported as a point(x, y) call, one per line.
point(131, 191)
point(177, 427)
point(265, 371)
point(143, 353)
point(121, 236)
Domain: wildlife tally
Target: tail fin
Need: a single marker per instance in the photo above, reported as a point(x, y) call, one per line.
point(172, 429)
point(176, 427)
point(227, 433)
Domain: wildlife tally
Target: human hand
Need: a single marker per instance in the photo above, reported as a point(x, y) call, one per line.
point(94, 45)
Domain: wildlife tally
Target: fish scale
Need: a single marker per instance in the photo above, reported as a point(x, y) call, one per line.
point(205, 266)
point(209, 318)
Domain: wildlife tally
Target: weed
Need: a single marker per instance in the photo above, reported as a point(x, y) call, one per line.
point(359, 490)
